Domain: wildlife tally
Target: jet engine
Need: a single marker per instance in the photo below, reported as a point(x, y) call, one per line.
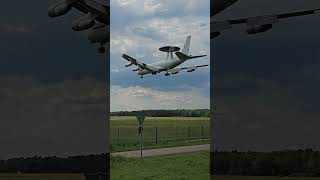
point(128, 65)
point(258, 29)
point(59, 9)
point(83, 23)
point(214, 35)
point(191, 69)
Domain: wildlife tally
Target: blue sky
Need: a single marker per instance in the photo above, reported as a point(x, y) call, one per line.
point(139, 28)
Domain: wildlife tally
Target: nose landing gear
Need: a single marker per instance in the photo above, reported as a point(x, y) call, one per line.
point(141, 76)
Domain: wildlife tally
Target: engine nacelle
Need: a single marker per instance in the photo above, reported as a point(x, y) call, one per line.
point(176, 72)
point(82, 24)
point(128, 65)
point(214, 35)
point(258, 29)
point(59, 9)
point(191, 69)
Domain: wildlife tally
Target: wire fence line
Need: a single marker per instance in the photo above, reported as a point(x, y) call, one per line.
point(129, 135)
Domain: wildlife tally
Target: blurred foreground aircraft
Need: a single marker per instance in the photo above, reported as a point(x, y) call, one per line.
point(253, 25)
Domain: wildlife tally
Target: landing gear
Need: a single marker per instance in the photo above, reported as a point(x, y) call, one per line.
point(154, 73)
point(102, 49)
point(141, 76)
point(167, 74)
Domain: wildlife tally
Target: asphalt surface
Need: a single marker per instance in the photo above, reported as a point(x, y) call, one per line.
point(164, 151)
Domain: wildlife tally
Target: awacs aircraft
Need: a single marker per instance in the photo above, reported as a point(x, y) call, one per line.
point(96, 20)
point(168, 65)
point(253, 25)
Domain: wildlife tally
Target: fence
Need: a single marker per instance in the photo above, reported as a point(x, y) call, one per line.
point(128, 135)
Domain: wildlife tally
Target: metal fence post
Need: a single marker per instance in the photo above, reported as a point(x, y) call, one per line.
point(202, 132)
point(176, 133)
point(189, 132)
point(118, 135)
point(156, 134)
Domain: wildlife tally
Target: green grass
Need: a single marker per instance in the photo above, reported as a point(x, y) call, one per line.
point(159, 121)
point(175, 167)
point(159, 132)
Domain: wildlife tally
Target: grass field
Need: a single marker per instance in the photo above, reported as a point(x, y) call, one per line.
point(159, 121)
point(159, 132)
point(176, 167)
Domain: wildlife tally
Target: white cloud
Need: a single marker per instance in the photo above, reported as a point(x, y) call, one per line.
point(125, 2)
point(137, 98)
point(153, 6)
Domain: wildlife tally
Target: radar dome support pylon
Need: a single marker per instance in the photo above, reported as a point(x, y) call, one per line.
point(169, 50)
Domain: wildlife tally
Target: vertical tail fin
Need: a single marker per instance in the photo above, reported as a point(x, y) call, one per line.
point(186, 46)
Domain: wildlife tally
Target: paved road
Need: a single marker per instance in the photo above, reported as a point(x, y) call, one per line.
point(164, 151)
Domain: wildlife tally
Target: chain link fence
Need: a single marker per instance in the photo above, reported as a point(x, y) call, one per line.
point(129, 135)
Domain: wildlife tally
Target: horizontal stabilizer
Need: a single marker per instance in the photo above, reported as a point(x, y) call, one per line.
point(189, 69)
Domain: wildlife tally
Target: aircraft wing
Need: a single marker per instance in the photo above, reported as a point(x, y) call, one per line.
point(254, 25)
point(189, 69)
point(94, 9)
point(99, 9)
point(139, 64)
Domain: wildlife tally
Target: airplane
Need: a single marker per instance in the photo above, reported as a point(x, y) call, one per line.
point(96, 21)
point(168, 65)
point(253, 25)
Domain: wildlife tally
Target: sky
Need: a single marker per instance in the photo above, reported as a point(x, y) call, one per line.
point(266, 85)
point(139, 28)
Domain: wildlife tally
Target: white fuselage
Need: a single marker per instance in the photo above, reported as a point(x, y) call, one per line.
point(162, 65)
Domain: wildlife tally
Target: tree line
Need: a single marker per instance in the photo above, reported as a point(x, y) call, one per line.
point(278, 163)
point(166, 113)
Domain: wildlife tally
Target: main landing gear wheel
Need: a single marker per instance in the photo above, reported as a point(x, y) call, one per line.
point(141, 76)
point(167, 74)
point(102, 50)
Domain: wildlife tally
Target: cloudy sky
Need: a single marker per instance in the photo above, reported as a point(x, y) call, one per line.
point(139, 28)
point(267, 85)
